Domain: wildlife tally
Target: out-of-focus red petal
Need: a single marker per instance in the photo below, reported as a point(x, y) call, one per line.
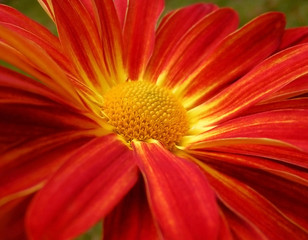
point(84, 190)
point(82, 44)
point(266, 78)
point(176, 188)
point(171, 41)
point(290, 126)
point(253, 207)
point(139, 34)
point(233, 57)
point(132, 218)
point(12, 219)
point(294, 36)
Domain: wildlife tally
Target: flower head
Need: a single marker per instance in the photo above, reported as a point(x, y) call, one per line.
point(192, 128)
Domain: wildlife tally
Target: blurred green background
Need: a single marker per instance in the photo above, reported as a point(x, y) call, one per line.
point(296, 12)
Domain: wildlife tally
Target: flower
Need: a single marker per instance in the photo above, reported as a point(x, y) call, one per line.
point(194, 130)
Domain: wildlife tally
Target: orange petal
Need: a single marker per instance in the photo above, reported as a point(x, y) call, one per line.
point(38, 57)
point(121, 7)
point(287, 189)
point(112, 42)
point(241, 229)
point(293, 89)
point(171, 41)
point(139, 34)
point(35, 32)
point(265, 79)
point(12, 219)
point(132, 218)
point(296, 103)
point(90, 184)
point(288, 126)
point(27, 166)
point(294, 36)
point(253, 207)
point(171, 184)
point(47, 6)
point(233, 57)
point(81, 42)
point(272, 166)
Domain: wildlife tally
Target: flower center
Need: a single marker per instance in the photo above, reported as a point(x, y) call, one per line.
point(143, 111)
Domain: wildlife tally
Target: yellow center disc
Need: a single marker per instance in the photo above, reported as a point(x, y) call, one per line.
point(143, 111)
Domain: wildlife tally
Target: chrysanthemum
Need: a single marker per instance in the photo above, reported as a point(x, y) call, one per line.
point(192, 129)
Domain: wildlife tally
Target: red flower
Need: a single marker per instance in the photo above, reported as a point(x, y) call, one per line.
point(193, 130)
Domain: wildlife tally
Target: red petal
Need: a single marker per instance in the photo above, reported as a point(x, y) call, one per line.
point(265, 79)
point(282, 154)
point(176, 188)
point(297, 103)
point(283, 186)
point(171, 40)
point(33, 31)
point(81, 42)
point(219, 156)
point(294, 36)
point(293, 89)
point(83, 191)
point(111, 33)
point(34, 57)
point(27, 165)
point(225, 231)
point(12, 219)
point(47, 6)
point(17, 88)
point(241, 229)
point(121, 7)
point(289, 126)
point(139, 34)
point(131, 219)
point(235, 56)
point(253, 207)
